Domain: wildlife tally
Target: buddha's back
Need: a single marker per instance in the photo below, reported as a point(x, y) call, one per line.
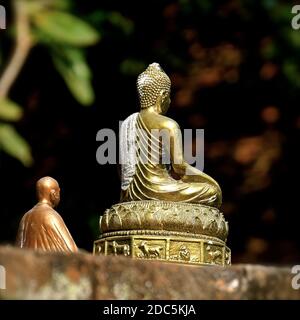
point(155, 148)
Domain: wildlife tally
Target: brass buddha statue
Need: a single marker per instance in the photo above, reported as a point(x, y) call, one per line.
point(146, 178)
point(168, 210)
point(42, 228)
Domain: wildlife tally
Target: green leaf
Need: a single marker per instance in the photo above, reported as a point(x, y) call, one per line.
point(60, 4)
point(35, 6)
point(13, 144)
point(9, 110)
point(65, 28)
point(71, 64)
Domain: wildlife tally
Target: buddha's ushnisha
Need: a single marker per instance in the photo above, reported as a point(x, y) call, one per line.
point(42, 228)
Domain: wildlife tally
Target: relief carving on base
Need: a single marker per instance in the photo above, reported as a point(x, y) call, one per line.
point(123, 249)
point(150, 251)
point(172, 248)
point(214, 254)
point(165, 215)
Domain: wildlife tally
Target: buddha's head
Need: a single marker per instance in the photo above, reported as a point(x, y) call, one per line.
point(48, 191)
point(154, 88)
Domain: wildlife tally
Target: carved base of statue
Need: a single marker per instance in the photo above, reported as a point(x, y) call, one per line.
point(154, 230)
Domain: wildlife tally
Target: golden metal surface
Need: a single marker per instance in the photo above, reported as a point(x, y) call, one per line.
point(42, 228)
point(179, 249)
point(168, 211)
point(165, 231)
point(165, 216)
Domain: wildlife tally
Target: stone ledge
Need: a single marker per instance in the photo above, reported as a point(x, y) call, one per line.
point(34, 275)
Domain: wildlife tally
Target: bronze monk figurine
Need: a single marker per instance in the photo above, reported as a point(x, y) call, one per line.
point(42, 227)
point(144, 176)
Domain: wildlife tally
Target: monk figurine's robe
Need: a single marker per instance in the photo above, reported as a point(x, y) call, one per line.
point(43, 228)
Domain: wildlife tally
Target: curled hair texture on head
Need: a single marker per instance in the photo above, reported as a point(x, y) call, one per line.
point(150, 83)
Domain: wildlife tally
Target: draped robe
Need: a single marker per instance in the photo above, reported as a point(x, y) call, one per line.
point(149, 177)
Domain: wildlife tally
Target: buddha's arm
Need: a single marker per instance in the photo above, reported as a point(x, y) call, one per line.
point(186, 172)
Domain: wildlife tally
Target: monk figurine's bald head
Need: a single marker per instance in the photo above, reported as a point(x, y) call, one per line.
point(48, 191)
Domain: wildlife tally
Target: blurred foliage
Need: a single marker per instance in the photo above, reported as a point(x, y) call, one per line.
point(100, 17)
point(65, 35)
point(14, 144)
point(52, 27)
point(132, 67)
point(9, 110)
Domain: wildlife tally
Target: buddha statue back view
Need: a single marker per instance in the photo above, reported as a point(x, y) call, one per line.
point(145, 176)
point(168, 210)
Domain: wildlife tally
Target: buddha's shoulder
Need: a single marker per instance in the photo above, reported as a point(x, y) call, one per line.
point(166, 123)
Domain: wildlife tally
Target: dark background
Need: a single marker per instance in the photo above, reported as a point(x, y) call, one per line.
point(234, 67)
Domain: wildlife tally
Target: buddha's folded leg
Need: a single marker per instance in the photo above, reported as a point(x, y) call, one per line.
point(202, 193)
